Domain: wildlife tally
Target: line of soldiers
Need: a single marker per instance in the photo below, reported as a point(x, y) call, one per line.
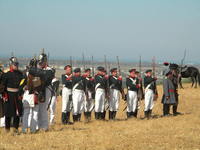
point(86, 93)
point(32, 94)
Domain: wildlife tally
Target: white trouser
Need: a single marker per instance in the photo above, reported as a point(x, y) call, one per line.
point(89, 102)
point(114, 99)
point(43, 112)
point(100, 100)
point(52, 109)
point(132, 101)
point(30, 118)
point(148, 100)
point(66, 103)
point(78, 101)
point(2, 122)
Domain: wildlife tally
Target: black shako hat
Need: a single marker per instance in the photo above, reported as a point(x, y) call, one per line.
point(77, 70)
point(147, 71)
point(100, 68)
point(113, 69)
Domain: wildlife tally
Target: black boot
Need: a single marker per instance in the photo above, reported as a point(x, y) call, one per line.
point(175, 110)
point(150, 113)
point(103, 115)
point(145, 114)
point(67, 117)
point(114, 114)
point(136, 112)
point(79, 117)
point(165, 110)
point(96, 115)
point(128, 114)
point(110, 115)
point(132, 114)
point(63, 118)
point(75, 118)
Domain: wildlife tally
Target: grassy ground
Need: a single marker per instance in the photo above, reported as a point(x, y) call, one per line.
point(180, 132)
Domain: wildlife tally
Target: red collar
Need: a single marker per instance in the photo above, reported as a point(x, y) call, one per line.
point(11, 69)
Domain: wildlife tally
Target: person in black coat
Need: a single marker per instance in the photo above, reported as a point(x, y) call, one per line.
point(12, 80)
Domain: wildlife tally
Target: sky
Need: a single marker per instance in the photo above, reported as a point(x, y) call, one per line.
point(127, 28)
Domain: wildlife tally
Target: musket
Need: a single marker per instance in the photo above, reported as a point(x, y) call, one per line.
point(12, 54)
point(71, 63)
point(83, 60)
point(107, 86)
point(154, 66)
point(119, 70)
point(154, 75)
point(92, 66)
point(118, 65)
point(140, 89)
point(48, 58)
point(183, 59)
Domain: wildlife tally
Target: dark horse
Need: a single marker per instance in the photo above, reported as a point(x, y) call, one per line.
point(190, 72)
point(184, 72)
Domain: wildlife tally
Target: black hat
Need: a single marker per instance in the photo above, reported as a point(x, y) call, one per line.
point(147, 71)
point(113, 69)
point(100, 68)
point(137, 72)
point(33, 62)
point(67, 66)
point(88, 69)
point(132, 70)
point(14, 61)
point(77, 70)
point(42, 58)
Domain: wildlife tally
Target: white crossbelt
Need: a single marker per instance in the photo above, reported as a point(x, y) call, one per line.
point(12, 89)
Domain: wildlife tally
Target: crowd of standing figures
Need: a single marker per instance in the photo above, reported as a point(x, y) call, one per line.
point(31, 95)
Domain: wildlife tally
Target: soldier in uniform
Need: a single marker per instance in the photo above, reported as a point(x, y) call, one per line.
point(12, 95)
point(52, 104)
point(2, 117)
point(140, 90)
point(66, 94)
point(30, 102)
point(169, 97)
point(78, 94)
point(115, 85)
point(46, 74)
point(100, 93)
point(89, 101)
point(132, 84)
point(150, 92)
point(175, 79)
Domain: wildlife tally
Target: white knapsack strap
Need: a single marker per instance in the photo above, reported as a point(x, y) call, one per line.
point(148, 86)
point(96, 87)
point(75, 86)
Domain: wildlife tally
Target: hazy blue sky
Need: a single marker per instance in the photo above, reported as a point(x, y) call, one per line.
point(127, 28)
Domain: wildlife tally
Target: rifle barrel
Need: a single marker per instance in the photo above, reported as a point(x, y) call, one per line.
point(118, 65)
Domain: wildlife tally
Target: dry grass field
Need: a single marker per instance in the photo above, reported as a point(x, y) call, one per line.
point(180, 132)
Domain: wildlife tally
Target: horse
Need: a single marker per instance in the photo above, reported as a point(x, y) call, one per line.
point(190, 72)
